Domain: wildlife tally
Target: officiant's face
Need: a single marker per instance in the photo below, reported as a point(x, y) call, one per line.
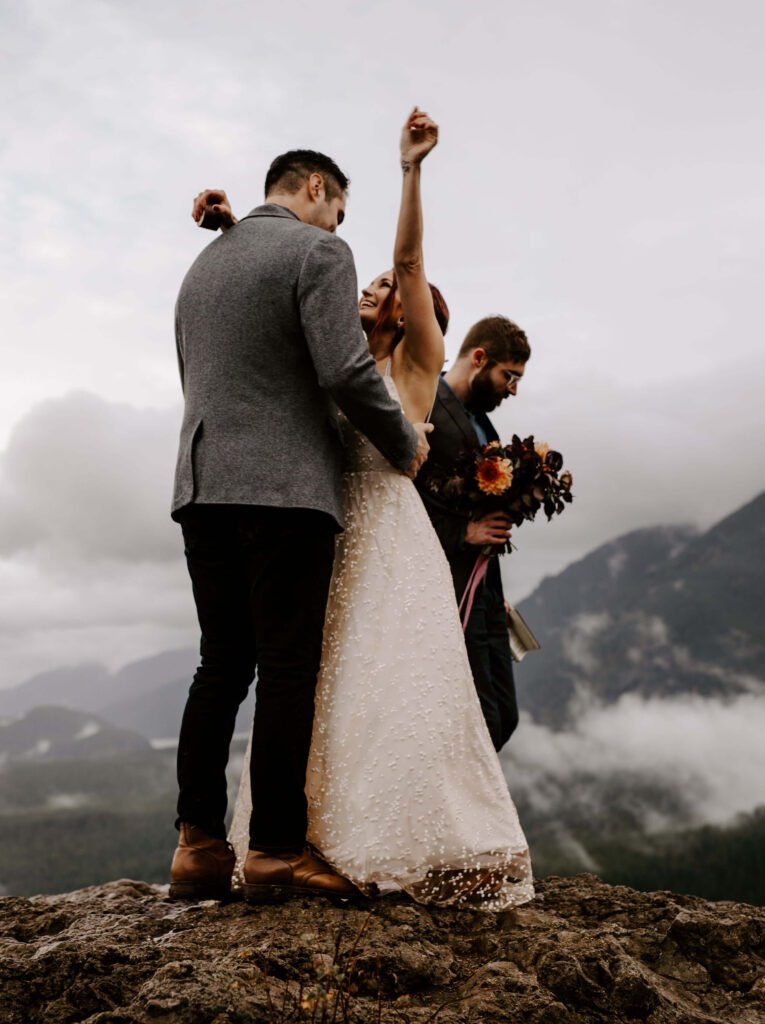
point(492, 382)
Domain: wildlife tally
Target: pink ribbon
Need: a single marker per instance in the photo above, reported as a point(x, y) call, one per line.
point(476, 576)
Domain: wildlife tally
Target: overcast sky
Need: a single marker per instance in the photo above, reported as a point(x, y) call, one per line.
point(599, 180)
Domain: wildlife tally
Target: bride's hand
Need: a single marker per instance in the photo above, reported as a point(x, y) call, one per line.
point(419, 136)
point(218, 199)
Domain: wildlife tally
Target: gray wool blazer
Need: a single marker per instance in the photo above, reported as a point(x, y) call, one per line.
point(269, 345)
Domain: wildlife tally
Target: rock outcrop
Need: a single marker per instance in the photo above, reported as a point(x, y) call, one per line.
point(582, 952)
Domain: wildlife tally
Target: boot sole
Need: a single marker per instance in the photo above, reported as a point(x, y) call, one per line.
point(198, 891)
point(257, 894)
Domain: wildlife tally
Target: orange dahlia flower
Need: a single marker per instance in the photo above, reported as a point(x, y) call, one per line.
point(541, 449)
point(494, 475)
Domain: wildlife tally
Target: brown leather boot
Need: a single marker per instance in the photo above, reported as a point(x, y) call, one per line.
point(271, 877)
point(202, 866)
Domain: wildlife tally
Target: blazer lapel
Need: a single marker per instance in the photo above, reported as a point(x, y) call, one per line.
point(488, 426)
point(452, 405)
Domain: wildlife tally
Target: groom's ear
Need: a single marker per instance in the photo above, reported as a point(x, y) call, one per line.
point(316, 188)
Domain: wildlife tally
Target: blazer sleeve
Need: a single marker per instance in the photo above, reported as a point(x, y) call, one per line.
point(329, 313)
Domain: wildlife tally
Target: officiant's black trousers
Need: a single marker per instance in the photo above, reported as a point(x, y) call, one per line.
point(260, 578)
point(491, 662)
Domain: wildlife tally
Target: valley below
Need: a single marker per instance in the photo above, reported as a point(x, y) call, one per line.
point(638, 758)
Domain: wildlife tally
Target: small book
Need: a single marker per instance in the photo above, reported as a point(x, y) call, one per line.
point(522, 640)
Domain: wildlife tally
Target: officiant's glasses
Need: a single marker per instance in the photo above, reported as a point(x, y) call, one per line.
point(510, 377)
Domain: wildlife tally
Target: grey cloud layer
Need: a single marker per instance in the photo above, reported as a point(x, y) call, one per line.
point(91, 566)
point(641, 456)
point(84, 479)
point(598, 179)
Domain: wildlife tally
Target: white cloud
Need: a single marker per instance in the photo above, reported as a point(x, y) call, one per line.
point(91, 566)
point(87, 480)
point(578, 635)
point(709, 751)
point(106, 612)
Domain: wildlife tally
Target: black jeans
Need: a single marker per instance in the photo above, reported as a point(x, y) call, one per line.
point(260, 578)
point(488, 649)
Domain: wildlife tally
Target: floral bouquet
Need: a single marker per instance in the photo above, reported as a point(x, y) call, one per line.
point(517, 479)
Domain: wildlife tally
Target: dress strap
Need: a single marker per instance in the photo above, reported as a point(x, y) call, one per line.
point(387, 368)
point(432, 405)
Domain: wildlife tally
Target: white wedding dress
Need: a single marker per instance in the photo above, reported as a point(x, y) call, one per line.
point(404, 787)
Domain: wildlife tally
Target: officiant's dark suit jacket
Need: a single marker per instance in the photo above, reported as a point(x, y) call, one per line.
point(486, 636)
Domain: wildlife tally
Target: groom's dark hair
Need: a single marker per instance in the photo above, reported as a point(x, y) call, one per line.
point(501, 339)
point(290, 170)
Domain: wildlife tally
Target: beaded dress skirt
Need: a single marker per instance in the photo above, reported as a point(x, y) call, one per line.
point(404, 787)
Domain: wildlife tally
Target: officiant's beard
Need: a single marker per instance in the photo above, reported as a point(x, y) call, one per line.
point(483, 395)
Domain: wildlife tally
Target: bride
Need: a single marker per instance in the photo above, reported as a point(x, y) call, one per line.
point(404, 787)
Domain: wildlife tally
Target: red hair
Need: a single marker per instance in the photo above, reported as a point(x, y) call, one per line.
point(386, 311)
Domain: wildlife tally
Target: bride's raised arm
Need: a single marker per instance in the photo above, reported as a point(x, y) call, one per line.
point(423, 344)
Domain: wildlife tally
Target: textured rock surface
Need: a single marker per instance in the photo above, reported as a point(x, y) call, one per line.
point(581, 952)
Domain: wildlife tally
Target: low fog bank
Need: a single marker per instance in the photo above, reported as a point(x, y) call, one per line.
point(640, 765)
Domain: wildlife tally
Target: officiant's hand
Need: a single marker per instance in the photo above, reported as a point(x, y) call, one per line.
point(423, 429)
point(218, 199)
point(419, 136)
point(493, 528)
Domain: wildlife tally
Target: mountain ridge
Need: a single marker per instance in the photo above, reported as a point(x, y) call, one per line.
point(90, 686)
point(659, 611)
point(50, 733)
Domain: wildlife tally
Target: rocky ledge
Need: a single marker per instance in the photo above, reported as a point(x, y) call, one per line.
point(582, 952)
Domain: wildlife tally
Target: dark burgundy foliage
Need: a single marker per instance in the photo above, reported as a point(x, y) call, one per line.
point(537, 483)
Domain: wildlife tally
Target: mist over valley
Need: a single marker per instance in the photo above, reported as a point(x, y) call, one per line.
point(638, 757)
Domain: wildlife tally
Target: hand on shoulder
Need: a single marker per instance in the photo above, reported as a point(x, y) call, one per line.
point(217, 201)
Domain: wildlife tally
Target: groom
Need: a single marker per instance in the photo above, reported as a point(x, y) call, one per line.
point(488, 368)
point(269, 345)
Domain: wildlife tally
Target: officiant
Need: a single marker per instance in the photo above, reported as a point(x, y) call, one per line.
point(488, 368)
